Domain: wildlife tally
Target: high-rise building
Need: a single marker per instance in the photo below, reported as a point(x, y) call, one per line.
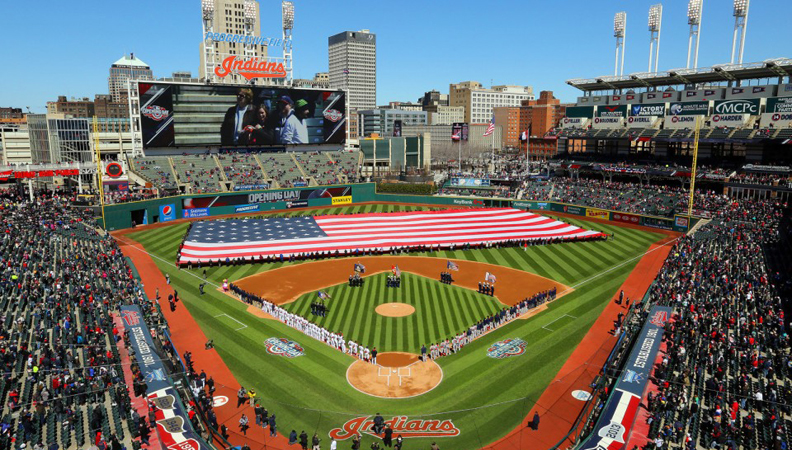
point(539, 116)
point(508, 118)
point(478, 101)
point(380, 121)
point(239, 17)
point(126, 68)
point(352, 57)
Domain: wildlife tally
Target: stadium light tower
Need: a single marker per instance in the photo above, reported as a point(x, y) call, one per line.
point(655, 21)
point(287, 12)
point(620, 33)
point(740, 25)
point(207, 14)
point(249, 9)
point(695, 10)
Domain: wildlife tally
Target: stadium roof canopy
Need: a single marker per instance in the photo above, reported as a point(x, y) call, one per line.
point(771, 68)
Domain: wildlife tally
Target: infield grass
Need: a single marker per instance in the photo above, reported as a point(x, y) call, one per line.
point(484, 397)
point(441, 311)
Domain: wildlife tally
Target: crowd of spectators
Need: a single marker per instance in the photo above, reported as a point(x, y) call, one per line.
point(63, 381)
point(724, 379)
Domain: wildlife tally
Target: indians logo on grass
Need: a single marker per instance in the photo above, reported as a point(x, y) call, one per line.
point(415, 428)
point(283, 347)
point(507, 348)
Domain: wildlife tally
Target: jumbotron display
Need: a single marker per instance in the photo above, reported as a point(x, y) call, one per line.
point(190, 115)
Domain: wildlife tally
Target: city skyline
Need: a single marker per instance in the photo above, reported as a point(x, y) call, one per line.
point(420, 46)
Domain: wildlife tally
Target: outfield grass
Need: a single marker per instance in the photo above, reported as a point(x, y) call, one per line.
point(352, 312)
point(312, 393)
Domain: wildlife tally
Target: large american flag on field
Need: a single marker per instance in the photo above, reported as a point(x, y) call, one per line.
point(213, 240)
point(491, 127)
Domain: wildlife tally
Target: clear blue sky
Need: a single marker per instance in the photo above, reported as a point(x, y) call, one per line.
point(65, 48)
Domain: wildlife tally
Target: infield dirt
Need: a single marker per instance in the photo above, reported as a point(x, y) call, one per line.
point(287, 284)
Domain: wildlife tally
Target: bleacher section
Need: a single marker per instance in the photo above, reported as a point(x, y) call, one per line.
point(283, 169)
point(156, 170)
point(317, 166)
point(243, 169)
point(347, 164)
point(201, 174)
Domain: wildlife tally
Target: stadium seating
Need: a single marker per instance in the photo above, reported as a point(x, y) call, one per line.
point(201, 174)
point(283, 169)
point(347, 164)
point(242, 169)
point(317, 166)
point(63, 381)
point(156, 170)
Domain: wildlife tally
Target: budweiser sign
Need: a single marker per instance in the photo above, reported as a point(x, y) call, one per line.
point(415, 428)
point(251, 68)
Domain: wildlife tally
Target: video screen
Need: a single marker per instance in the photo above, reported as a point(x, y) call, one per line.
point(176, 115)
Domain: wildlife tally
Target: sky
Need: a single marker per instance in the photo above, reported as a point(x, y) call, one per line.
point(66, 48)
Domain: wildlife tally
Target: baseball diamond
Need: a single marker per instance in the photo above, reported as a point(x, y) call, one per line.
point(476, 391)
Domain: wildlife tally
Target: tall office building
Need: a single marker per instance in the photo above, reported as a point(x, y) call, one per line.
point(234, 17)
point(353, 67)
point(126, 68)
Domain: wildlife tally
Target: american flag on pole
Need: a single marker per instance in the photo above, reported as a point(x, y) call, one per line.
point(491, 127)
point(225, 240)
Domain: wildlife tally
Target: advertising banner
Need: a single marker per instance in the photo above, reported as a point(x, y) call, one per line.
point(677, 122)
point(263, 197)
point(345, 200)
point(689, 109)
point(196, 212)
point(647, 110)
point(681, 222)
point(167, 212)
point(574, 122)
point(779, 105)
point(247, 208)
point(618, 415)
point(627, 218)
point(611, 111)
point(297, 204)
point(642, 121)
point(471, 182)
point(608, 122)
point(173, 424)
point(779, 120)
point(397, 128)
point(569, 209)
point(728, 120)
point(663, 224)
point(736, 106)
point(251, 187)
point(586, 112)
point(139, 336)
point(237, 116)
point(597, 213)
point(460, 130)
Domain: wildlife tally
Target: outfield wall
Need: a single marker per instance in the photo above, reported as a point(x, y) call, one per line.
point(145, 212)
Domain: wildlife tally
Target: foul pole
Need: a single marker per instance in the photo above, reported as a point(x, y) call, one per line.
point(693, 168)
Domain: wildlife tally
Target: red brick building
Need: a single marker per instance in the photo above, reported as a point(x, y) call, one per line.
point(540, 116)
point(508, 118)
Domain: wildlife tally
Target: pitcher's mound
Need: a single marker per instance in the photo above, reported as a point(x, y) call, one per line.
point(396, 375)
point(394, 309)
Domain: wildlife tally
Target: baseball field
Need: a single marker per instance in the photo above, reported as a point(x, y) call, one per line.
point(474, 398)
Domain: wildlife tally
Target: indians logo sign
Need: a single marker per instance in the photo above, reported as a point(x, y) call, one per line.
point(251, 68)
point(507, 348)
point(401, 425)
point(155, 112)
point(283, 347)
point(333, 115)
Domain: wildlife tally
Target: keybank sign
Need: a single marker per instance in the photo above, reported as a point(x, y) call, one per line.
point(742, 106)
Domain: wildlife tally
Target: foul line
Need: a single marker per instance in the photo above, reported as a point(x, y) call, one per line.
point(243, 325)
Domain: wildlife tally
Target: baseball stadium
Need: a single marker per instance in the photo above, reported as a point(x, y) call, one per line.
point(259, 272)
